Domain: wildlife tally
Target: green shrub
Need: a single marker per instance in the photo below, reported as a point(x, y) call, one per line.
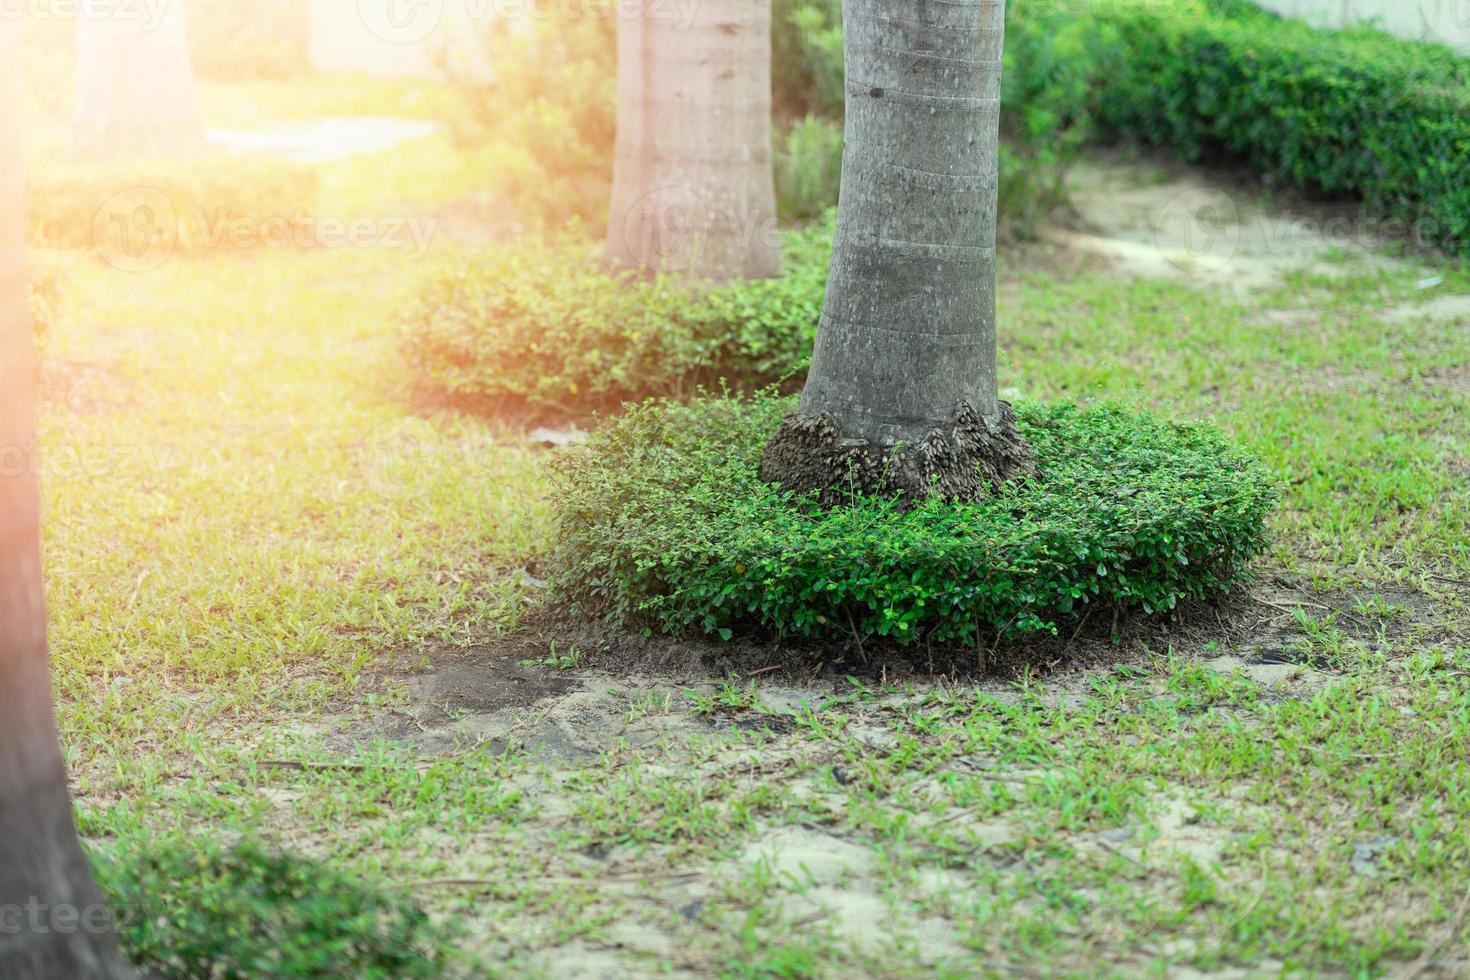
point(665, 524)
point(545, 331)
point(1353, 114)
point(191, 909)
point(551, 116)
point(260, 39)
point(808, 168)
point(1048, 93)
point(807, 69)
point(185, 207)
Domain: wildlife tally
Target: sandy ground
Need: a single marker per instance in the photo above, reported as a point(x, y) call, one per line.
point(1161, 219)
point(321, 140)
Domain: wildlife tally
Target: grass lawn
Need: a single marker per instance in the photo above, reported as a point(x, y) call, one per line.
point(283, 605)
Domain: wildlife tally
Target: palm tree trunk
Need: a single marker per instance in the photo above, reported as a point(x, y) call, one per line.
point(53, 924)
point(901, 397)
point(693, 186)
point(135, 87)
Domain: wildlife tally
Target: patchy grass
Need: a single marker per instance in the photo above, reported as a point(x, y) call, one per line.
point(283, 606)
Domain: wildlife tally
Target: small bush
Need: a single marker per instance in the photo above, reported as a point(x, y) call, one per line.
point(550, 116)
point(185, 207)
point(547, 332)
point(665, 525)
point(198, 910)
point(1048, 94)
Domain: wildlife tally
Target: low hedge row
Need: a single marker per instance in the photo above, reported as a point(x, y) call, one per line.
point(664, 524)
point(131, 217)
point(1354, 113)
point(545, 332)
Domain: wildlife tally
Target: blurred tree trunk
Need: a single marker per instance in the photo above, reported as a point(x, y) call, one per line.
point(53, 923)
point(693, 185)
point(135, 87)
point(902, 397)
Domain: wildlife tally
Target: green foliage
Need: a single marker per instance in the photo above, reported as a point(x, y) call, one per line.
point(665, 524)
point(261, 39)
point(549, 115)
point(1353, 113)
point(181, 206)
point(808, 168)
point(807, 69)
point(1045, 107)
point(546, 331)
point(1048, 90)
point(193, 909)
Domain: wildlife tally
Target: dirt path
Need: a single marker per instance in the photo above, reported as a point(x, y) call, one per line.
point(1159, 219)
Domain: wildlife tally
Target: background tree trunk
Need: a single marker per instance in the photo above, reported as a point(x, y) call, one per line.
point(901, 396)
point(693, 185)
point(135, 87)
point(53, 924)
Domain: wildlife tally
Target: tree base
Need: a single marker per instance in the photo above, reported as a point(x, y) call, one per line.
point(976, 455)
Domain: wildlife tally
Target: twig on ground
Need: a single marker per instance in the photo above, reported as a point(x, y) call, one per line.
point(1291, 609)
point(621, 879)
point(310, 766)
point(1078, 631)
point(404, 714)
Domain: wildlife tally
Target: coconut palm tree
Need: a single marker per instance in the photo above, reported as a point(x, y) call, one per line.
point(53, 924)
point(901, 397)
point(693, 186)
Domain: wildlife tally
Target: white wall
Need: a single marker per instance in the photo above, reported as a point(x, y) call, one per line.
point(1445, 21)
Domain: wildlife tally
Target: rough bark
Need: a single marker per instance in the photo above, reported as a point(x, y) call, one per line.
point(961, 461)
point(135, 94)
point(901, 397)
point(693, 186)
point(53, 924)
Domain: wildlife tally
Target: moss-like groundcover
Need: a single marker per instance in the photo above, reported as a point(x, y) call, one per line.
point(665, 525)
point(194, 908)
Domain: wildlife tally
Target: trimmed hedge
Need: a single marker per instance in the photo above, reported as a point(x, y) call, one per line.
point(1354, 113)
point(544, 331)
point(664, 524)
